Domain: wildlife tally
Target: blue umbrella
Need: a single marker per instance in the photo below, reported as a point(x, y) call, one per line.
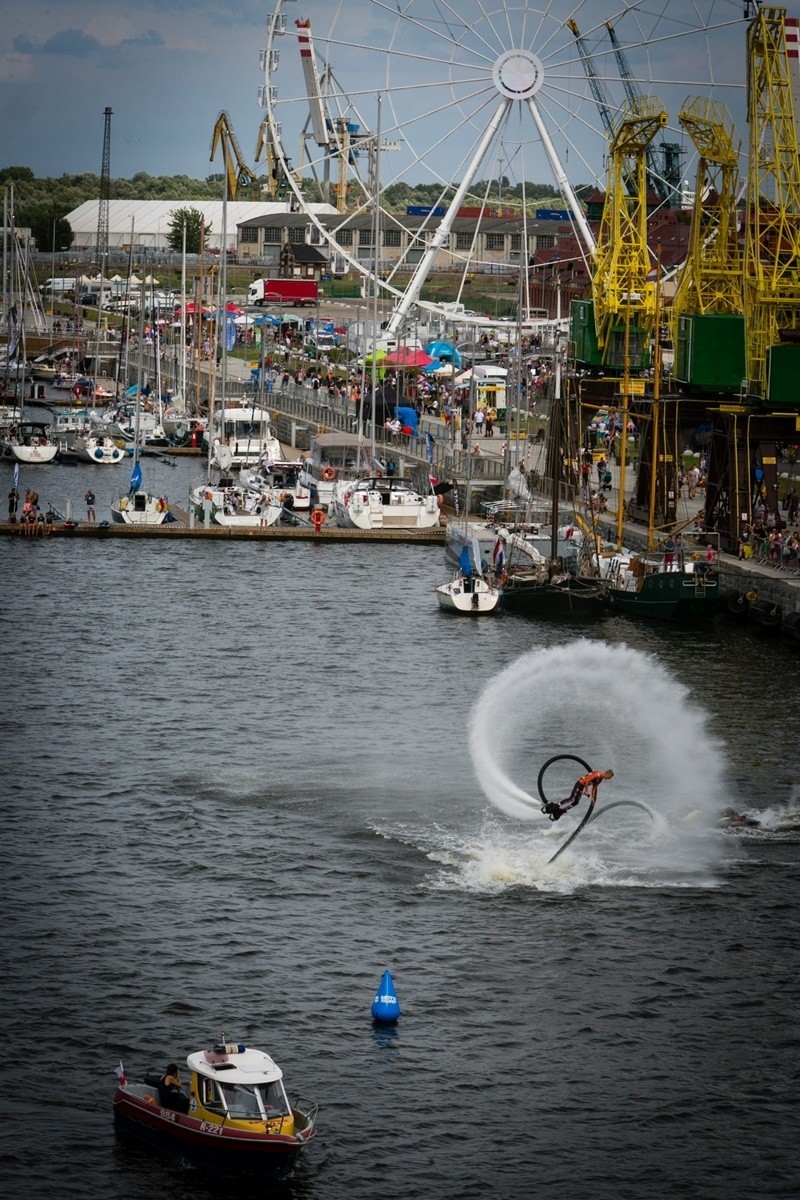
point(446, 351)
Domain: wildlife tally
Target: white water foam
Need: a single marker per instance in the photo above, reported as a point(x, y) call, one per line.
point(616, 708)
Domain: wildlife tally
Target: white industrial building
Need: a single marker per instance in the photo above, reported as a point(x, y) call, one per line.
point(146, 223)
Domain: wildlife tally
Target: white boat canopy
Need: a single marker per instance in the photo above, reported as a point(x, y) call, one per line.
point(250, 1067)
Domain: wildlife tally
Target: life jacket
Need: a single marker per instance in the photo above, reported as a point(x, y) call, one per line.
point(592, 777)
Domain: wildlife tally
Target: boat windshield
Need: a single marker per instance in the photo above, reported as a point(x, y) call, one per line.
point(246, 429)
point(254, 1101)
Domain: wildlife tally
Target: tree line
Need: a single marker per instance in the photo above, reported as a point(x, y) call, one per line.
point(42, 204)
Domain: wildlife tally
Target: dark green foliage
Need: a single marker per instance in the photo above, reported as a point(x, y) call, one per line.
point(193, 219)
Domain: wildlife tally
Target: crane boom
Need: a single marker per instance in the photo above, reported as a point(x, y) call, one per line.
point(772, 238)
point(600, 98)
point(633, 94)
point(622, 291)
point(711, 278)
point(237, 172)
point(319, 117)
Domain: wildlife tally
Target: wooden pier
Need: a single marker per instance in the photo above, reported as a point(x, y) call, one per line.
point(178, 531)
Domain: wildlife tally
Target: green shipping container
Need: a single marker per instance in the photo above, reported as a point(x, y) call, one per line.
point(710, 352)
point(583, 337)
point(783, 377)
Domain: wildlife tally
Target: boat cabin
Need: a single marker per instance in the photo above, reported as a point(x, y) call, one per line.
point(244, 1086)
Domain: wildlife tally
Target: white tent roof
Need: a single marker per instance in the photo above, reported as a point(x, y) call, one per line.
point(151, 219)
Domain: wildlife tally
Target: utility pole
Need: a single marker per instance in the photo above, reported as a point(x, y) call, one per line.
point(105, 190)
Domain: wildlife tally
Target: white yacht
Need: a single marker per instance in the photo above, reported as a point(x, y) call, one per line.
point(241, 436)
point(383, 503)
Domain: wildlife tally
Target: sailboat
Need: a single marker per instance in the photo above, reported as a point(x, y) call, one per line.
point(469, 592)
point(139, 507)
point(548, 587)
point(684, 584)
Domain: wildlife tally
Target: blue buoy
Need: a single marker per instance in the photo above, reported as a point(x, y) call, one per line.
point(386, 1006)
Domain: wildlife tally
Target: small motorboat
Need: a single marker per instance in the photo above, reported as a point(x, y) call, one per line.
point(233, 1116)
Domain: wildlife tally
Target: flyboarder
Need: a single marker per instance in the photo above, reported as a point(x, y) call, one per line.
point(587, 785)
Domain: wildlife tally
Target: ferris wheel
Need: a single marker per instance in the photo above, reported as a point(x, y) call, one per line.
point(479, 101)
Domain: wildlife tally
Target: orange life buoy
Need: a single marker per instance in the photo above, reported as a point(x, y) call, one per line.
point(329, 474)
point(317, 518)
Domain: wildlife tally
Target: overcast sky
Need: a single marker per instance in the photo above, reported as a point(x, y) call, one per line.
point(167, 68)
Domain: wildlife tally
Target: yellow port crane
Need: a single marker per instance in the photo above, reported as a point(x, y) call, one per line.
point(772, 235)
point(237, 172)
point(623, 295)
point(710, 280)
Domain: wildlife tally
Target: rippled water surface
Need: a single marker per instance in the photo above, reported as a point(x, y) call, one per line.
point(238, 782)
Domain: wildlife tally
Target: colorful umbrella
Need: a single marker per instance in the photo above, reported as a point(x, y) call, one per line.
point(404, 357)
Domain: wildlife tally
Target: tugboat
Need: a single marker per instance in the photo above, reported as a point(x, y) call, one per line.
point(234, 1116)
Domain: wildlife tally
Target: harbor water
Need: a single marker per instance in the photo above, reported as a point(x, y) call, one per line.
point(240, 780)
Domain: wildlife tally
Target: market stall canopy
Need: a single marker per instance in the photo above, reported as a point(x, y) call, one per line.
point(403, 357)
point(445, 351)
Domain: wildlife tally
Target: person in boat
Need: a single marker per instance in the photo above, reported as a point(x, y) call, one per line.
point(587, 785)
point(731, 819)
point(170, 1090)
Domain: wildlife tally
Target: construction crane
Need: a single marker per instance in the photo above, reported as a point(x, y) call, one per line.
point(772, 236)
point(596, 87)
point(237, 173)
point(624, 296)
point(665, 179)
point(342, 135)
point(711, 278)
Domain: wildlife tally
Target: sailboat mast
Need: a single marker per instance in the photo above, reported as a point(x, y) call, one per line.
point(139, 376)
point(375, 260)
point(183, 319)
point(655, 411)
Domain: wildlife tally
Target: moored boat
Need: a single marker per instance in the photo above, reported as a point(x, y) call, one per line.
point(383, 503)
point(642, 587)
point(234, 1116)
point(29, 442)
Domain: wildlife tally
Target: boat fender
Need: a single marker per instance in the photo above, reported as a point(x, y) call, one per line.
point(329, 474)
point(430, 504)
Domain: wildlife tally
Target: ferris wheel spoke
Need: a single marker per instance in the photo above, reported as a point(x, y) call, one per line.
point(420, 25)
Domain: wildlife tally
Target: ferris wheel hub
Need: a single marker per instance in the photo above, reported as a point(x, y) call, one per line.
point(518, 74)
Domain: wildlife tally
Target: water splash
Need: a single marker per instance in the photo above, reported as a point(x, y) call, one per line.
point(615, 707)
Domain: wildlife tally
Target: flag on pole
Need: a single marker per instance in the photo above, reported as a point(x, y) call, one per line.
point(498, 557)
point(16, 476)
point(120, 1074)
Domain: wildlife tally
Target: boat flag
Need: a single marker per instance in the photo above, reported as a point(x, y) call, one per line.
point(136, 478)
point(120, 1074)
point(16, 476)
point(386, 1006)
point(498, 557)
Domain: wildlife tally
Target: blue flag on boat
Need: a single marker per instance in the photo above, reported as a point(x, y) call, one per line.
point(16, 476)
point(136, 478)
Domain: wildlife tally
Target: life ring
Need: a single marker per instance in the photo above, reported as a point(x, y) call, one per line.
point(329, 474)
point(317, 518)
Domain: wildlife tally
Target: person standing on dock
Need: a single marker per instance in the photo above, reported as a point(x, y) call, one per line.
point(91, 512)
point(13, 504)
